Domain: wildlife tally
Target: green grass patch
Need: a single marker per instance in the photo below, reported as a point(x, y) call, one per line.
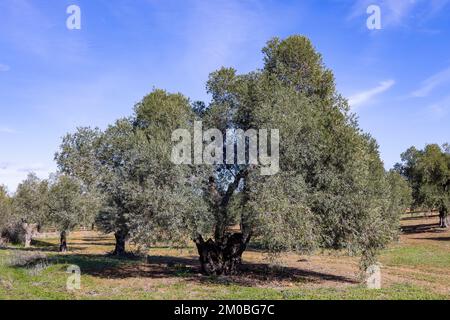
point(417, 256)
point(107, 277)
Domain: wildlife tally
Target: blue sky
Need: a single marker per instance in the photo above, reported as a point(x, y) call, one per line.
point(53, 79)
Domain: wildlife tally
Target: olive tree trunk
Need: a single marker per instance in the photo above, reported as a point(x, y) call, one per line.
point(444, 219)
point(121, 237)
point(63, 242)
point(222, 257)
point(29, 230)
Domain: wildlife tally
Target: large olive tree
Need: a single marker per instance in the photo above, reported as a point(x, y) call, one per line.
point(331, 191)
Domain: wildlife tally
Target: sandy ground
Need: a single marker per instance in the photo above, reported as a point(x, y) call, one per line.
point(327, 269)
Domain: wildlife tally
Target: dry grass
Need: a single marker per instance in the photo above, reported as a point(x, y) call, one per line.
point(417, 267)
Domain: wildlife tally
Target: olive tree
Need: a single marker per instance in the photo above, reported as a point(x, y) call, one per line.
point(30, 205)
point(129, 164)
point(100, 160)
point(5, 205)
point(70, 205)
point(5, 210)
point(332, 190)
point(428, 172)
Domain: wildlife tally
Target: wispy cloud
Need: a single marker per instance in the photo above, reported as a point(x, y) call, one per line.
point(4, 67)
point(363, 97)
point(440, 108)
point(11, 174)
point(212, 34)
point(4, 129)
point(431, 83)
point(215, 33)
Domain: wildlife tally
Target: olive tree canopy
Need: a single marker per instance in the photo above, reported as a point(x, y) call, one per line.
point(428, 172)
point(331, 190)
point(129, 165)
point(31, 205)
point(70, 204)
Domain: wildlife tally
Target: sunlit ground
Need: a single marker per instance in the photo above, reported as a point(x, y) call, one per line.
point(417, 267)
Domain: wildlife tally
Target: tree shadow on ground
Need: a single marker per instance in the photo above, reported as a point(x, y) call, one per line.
point(435, 238)
point(430, 216)
point(134, 266)
point(422, 228)
point(261, 274)
point(188, 268)
point(42, 246)
point(110, 244)
point(99, 238)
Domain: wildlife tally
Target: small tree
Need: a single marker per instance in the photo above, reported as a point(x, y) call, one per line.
point(30, 205)
point(428, 172)
point(5, 210)
point(400, 196)
point(70, 205)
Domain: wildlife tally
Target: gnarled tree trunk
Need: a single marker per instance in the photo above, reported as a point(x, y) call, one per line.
point(121, 237)
point(29, 230)
point(444, 219)
point(63, 242)
point(222, 257)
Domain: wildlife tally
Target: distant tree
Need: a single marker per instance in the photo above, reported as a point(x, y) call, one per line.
point(5, 209)
point(428, 172)
point(30, 205)
point(70, 205)
point(401, 193)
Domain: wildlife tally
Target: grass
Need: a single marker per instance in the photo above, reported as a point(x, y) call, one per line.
point(416, 268)
point(426, 256)
point(50, 283)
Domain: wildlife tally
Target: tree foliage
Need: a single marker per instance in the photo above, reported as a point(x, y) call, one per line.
point(428, 172)
point(31, 199)
point(70, 205)
point(5, 209)
point(30, 205)
point(129, 164)
point(331, 192)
